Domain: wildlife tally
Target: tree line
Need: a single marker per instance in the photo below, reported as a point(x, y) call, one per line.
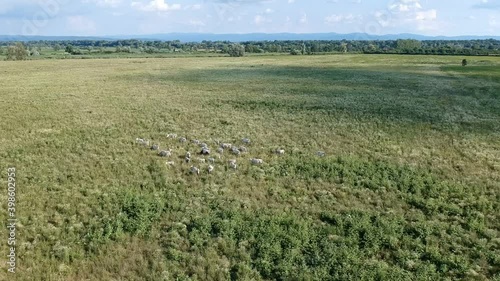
point(294, 47)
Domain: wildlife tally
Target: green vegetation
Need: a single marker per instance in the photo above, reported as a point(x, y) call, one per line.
point(236, 50)
point(138, 48)
point(408, 189)
point(17, 52)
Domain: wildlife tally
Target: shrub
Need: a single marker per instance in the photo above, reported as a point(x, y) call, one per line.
point(273, 246)
point(236, 50)
point(69, 49)
point(130, 212)
point(17, 52)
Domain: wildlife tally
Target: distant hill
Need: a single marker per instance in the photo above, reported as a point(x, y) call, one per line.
point(198, 37)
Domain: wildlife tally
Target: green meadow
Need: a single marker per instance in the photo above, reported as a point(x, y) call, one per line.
point(408, 189)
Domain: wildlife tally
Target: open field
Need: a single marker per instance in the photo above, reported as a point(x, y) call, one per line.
point(409, 188)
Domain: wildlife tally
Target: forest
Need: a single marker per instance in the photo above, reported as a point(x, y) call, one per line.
point(402, 46)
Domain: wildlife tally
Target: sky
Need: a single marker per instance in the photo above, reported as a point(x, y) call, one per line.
point(136, 17)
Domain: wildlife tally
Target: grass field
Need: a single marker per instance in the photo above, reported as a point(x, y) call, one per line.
point(409, 188)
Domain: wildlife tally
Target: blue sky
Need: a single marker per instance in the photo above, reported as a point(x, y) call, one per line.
point(122, 17)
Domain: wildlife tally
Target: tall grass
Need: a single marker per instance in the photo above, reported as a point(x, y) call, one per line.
point(408, 189)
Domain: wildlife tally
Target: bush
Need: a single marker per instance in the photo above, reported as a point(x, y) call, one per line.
point(127, 212)
point(273, 246)
point(69, 49)
point(151, 50)
point(17, 52)
point(236, 50)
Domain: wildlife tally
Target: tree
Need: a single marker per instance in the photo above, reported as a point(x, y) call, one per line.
point(151, 50)
point(464, 62)
point(236, 50)
point(17, 52)
point(343, 47)
point(69, 49)
point(407, 45)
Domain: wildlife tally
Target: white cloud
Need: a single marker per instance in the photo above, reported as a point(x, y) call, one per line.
point(405, 5)
point(81, 24)
point(104, 3)
point(488, 4)
point(193, 7)
point(291, 1)
point(260, 19)
point(410, 14)
point(432, 26)
point(303, 19)
point(383, 18)
point(263, 17)
point(428, 21)
point(333, 18)
point(349, 18)
point(493, 22)
point(429, 15)
point(156, 6)
point(26, 7)
point(198, 23)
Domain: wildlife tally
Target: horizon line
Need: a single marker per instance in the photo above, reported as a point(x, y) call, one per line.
point(151, 36)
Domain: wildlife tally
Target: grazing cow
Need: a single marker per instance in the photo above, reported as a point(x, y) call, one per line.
point(194, 170)
point(165, 153)
point(205, 151)
point(256, 161)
